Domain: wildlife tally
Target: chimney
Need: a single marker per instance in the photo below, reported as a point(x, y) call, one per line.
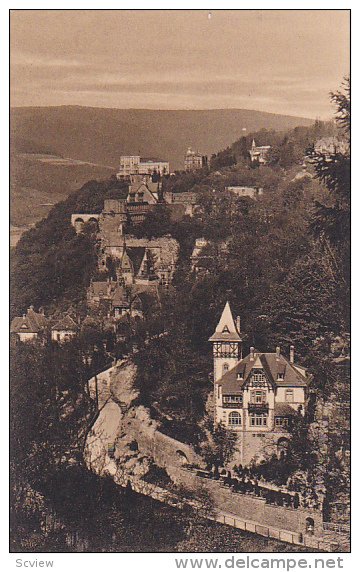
point(277, 352)
point(238, 324)
point(252, 349)
point(292, 354)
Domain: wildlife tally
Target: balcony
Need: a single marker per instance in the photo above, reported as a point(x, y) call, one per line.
point(258, 408)
point(232, 405)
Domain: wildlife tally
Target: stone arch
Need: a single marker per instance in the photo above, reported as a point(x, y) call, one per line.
point(79, 224)
point(181, 456)
point(94, 221)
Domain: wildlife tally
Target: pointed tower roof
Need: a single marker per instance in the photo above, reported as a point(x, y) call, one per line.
point(226, 328)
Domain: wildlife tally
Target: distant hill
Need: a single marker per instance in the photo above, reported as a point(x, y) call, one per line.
point(102, 135)
point(55, 150)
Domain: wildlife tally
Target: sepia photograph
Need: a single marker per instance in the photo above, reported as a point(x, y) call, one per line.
point(179, 282)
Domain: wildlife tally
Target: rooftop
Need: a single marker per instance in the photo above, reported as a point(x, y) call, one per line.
point(65, 323)
point(31, 322)
point(272, 365)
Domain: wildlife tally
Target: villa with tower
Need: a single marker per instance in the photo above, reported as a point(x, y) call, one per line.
point(259, 153)
point(255, 396)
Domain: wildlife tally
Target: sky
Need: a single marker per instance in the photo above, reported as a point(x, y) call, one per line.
point(280, 61)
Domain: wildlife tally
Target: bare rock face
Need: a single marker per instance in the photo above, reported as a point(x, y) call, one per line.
point(116, 383)
point(125, 441)
point(122, 378)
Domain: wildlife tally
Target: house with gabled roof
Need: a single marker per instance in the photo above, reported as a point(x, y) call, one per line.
point(256, 396)
point(64, 330)
point(100, 291)
point(30, 326)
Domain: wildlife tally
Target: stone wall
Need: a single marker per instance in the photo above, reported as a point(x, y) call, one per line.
point(250, 507)
point(166, 451)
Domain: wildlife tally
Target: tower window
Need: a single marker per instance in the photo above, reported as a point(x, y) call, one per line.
point(226, 330)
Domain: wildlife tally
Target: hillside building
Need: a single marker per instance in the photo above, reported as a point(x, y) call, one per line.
point(194, 160)
point(64, 330)
point(259, 153)
point(186, 203)
point(135, 165)
point(251, 192)
point(330, 146)
point(143, 195)
point(116, 299)
point(30, 327)
point(203, 255)
point(255, 396)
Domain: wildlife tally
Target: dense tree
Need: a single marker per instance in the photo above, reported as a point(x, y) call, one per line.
point(331, 219)
point(51, 265)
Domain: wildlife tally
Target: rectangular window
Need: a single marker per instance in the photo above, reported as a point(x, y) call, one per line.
point(258, 396)
point(289, 396)
point(258, 377)
point(233, 398)
point(281, 421)
point(258, 420)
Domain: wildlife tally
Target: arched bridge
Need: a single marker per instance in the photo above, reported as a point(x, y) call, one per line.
point(78, 220)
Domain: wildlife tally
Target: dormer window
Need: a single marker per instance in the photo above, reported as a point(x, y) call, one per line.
point(240, 375)
point(226, 330)
point(280, 376)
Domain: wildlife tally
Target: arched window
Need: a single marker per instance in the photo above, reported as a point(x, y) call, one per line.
point(234, 418)
point(225, 367)
point(310, 525)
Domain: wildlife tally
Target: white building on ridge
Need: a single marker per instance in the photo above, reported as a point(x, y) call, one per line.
point(135, 165)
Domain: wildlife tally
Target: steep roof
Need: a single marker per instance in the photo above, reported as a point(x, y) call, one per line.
point(235, 379)
point(31, 322)
point(65, 323)
point(120, 297)
point(226, 329)
point(148, 189)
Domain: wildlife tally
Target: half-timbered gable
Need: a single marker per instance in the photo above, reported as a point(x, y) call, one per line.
point(258, 395)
